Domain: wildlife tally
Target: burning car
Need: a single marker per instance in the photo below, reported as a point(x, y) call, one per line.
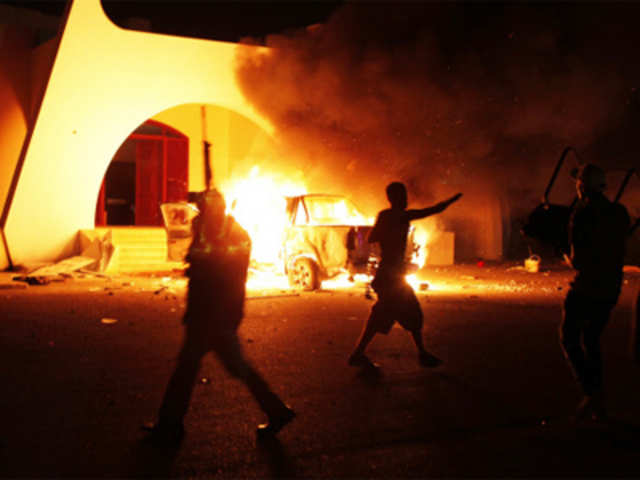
point(326, 235)
point(309, 237)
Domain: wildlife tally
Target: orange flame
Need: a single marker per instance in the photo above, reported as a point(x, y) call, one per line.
point(258, 203)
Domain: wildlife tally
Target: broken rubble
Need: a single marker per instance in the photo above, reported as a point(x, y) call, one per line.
point(13, 286)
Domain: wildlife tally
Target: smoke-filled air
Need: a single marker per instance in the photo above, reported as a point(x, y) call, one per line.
point(449, 97)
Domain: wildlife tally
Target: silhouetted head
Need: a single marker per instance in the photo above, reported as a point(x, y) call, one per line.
point(397, 195)
point(213, 210)
point(590, 179)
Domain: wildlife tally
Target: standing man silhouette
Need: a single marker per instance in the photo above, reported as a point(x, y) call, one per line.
point(219, 259)
point(597, 232)
point(396, 299)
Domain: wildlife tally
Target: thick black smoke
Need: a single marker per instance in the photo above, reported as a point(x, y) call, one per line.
point(450, 97)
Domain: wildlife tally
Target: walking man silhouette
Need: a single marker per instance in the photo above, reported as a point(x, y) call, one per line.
point(396, 299)
point(219, 259)
point(597, 232)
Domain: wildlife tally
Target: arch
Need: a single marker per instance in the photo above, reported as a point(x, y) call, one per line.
point(105, 81)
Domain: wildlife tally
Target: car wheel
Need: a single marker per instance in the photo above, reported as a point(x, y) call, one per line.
point(304, 274)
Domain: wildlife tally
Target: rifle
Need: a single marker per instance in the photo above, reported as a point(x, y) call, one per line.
point(554, 175)
point(627, 177)
point(619, 194)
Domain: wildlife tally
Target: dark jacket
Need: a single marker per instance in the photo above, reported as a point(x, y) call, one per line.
point(217, 275)
point(597, 233)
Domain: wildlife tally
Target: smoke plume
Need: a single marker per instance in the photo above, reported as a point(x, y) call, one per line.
point(449, 97)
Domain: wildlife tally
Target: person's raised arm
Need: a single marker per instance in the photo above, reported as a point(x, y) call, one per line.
point(437, 208)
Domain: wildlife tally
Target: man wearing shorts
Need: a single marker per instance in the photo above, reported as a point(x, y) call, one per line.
point(396, 300)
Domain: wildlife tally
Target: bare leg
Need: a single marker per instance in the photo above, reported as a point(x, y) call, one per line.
point(365, 339)
point(425, 358)
point(357, 357)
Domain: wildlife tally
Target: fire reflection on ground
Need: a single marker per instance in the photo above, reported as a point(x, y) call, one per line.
point(268, 277)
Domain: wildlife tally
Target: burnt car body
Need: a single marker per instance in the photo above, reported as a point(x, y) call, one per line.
point(326, 235)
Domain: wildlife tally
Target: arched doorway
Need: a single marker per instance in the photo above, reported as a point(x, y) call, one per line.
point(149, 168)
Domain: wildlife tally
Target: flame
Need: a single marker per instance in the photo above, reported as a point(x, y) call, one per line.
point(258, 203)
point(420, 285)
point(421, 237)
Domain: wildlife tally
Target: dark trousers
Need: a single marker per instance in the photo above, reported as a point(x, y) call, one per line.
point(198, 342)
point(583, 322)
point(635, 337)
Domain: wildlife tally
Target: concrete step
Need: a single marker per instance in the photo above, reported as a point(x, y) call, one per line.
point(133, 235)
point(144, 256)
point(166, 266)
point(138, 249)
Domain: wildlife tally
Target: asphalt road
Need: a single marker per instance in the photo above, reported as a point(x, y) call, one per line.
point(75, 390)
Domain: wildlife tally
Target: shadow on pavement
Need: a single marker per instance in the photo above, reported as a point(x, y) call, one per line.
point(149, 460)
point(370, 376)
point(280, 463)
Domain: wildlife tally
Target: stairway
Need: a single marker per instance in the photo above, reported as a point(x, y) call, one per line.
point(136, 249)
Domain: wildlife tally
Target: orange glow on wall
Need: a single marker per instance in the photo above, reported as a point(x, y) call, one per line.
point(105, 81)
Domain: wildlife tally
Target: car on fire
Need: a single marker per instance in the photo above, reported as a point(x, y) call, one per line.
point(326, 235)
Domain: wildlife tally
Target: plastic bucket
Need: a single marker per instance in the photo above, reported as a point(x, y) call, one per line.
point(532, 264)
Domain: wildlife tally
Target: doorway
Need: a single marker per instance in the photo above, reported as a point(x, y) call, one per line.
point(150, 168)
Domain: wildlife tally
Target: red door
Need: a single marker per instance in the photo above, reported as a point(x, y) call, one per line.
point(177, 169)
point(149, 182)
point(159, 157)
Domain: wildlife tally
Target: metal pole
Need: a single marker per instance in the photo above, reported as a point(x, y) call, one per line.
point(208, 173)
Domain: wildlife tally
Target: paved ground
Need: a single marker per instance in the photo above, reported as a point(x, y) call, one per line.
point(76, 389)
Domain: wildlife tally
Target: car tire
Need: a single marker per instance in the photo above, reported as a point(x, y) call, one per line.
point(303, 274)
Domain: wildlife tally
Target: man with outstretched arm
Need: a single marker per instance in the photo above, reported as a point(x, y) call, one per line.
point(396, 299)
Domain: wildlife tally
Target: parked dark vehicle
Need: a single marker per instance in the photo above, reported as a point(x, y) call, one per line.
point(326, 235)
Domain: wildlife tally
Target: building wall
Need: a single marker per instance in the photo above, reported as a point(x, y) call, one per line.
point(477, 222)
point(22, 63)
point(106, 81)
point(15, 100)
point(15, 56)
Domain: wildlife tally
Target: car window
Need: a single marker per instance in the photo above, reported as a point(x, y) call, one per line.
point(301, 215)
point(330, 210)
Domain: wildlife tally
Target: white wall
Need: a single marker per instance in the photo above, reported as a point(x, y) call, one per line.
point(104, 83)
